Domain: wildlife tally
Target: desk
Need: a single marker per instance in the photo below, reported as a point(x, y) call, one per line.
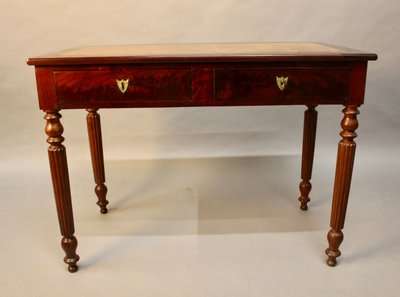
point(227, 74)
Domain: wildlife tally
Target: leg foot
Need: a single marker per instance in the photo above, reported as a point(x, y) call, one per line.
point(305, 188)
point(335, 238)
point(69, 246)
point(73, 269)
point(101, 192)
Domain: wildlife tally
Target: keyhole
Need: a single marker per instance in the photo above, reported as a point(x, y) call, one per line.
point(122, 85)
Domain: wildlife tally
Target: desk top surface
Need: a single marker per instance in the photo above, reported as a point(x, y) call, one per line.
point(201, 52)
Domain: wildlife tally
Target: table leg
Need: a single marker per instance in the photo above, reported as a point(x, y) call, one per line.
point(96, 152)
point(309, 133)
point(344, 169)
point(62, 193)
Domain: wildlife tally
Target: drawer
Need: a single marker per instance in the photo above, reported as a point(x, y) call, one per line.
point(299, 85)
point(123, 85)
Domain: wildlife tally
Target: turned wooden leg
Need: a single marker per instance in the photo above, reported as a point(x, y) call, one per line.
point(96, 152)
point(62, 193)
point(344, 169)
point(309, 132)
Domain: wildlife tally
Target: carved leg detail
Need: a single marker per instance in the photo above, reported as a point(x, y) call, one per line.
point(335, 238)
point(309, 133)
point(62, 193)
point(96, 152)
point(344, 169)
point(69, 246)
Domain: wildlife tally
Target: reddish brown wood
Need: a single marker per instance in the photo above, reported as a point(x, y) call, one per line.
point(357, 81)
point(144, 85)
point(62, 193)
point(328, 84)
point(230, 74)
point(85, 77)
point(187, 84)
point(202, 53)
point(344, 170)
point(96, 153)
point(309, 134)
point(202, 84)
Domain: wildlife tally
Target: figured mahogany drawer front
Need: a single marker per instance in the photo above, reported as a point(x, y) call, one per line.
point(123, 85)
point(282, 85)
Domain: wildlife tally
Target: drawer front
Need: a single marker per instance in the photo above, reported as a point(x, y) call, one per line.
point(123, 85)
point(299, 85)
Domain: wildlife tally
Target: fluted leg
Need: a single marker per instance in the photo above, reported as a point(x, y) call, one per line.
point(344, 169)
point(309, 133)
point(62, 193)
point(96, 152)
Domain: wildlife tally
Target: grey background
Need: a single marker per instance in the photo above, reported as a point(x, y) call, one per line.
point(144, 147)
point(34, 27)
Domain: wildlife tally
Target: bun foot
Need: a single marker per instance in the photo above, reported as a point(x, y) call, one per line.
point(71, 258)
point(73, 268)
point(101, 192)
point(303, 207)
point(103, 208)
point(331, 261)
point(335, 238)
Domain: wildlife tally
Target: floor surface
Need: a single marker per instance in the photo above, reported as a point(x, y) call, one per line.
point(202, 227)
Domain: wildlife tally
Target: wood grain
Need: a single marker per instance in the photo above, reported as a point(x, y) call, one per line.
point(61, 187)
point(344, 170)
point(144, 85)
point(204, 52)
point(309, 134)
point(96, 153)
point(195, 75)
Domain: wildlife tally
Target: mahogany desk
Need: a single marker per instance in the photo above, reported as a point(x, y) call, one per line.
point(230, 74)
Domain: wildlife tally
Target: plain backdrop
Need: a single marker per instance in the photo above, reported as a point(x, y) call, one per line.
point(29, 28)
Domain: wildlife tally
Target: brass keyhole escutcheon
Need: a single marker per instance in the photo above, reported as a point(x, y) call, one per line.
point(122, 84)
point(282, 82)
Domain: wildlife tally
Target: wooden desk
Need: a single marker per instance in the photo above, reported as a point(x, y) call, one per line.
point(230, 74)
